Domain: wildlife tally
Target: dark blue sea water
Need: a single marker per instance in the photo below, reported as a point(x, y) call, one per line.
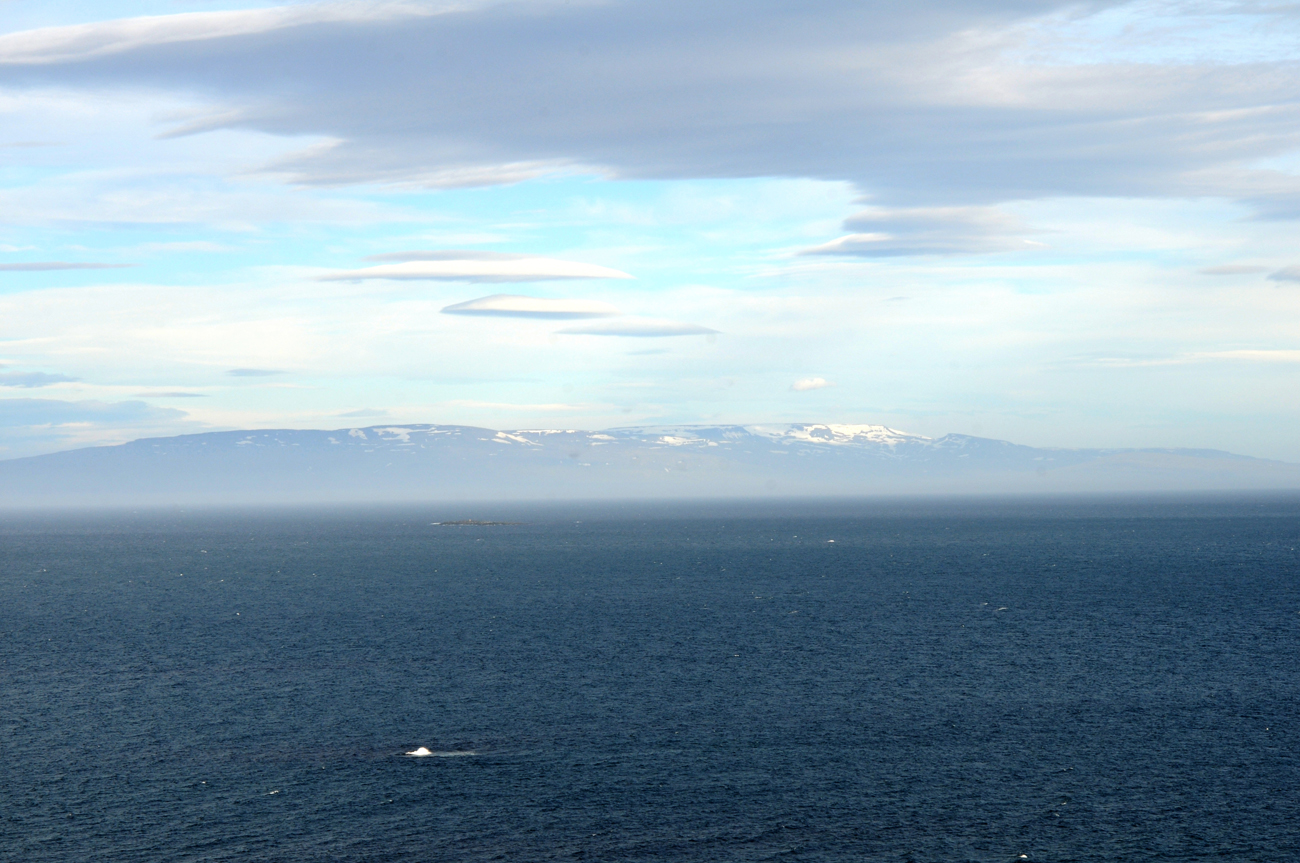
point(1088, 681)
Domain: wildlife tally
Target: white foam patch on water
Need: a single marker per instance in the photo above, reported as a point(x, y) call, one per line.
point(423, 752)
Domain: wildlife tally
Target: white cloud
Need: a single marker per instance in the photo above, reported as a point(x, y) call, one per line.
point(932, 103)
point(1260, 356)
point(510, 406)
point(253, 373)
point(478, 267)
point(1286, 274)
point(172, 395)
point(1244, 355)
point(638, 328)
point(515, 306)
point(79, 42)
point(919, 113)
point(806, 384)
point(1016, 353)
point(48, 266)
point(342, 163)
point(33, 426)
point(51, 412)
point(185, 246)
point(32, 380)
point(883, 232)
point(1233, 270)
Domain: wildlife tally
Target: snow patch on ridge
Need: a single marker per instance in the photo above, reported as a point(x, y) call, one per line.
point(838, 434)
point(395, 433)
point(874, 437)
point(503, 437)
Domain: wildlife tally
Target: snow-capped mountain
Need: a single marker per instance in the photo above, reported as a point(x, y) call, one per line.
point(874, 438)
point(832, 434)
point(441, 462)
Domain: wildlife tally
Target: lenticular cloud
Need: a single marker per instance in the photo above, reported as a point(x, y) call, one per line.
point(516, 306)
point(476, 267)
point(638, 328)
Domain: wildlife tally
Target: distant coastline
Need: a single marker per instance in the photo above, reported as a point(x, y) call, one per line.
point(412, 463)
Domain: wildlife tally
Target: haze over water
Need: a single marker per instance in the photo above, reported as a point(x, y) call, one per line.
point(1086, 681)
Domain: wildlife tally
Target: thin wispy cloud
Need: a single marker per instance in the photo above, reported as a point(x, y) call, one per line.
point(172, 394)
point(105, 38)
point(1280, 355)
point(1286, 274)
point(552, 407)
point(488, 267)
point(53, 412)
point(253, 373)
point(185, 246)
point(806, 384)
point(49, 266)
point(516, 306)
point(446, 255)
point(883, 233)
point(1233, 270)
point(31, 380)
point(638, 328)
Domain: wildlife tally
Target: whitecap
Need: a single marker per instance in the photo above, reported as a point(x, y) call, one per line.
point(424, 752)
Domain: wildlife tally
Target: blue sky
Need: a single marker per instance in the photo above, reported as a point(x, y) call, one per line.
point(1059, 224)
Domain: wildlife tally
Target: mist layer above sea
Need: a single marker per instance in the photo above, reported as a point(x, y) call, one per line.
point(1065, 680)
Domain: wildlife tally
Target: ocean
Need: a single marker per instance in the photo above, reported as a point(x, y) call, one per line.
point(1088, 680)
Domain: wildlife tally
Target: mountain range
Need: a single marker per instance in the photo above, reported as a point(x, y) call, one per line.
point(446, 463)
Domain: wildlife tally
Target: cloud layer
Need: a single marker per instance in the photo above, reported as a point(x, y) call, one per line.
point(253, 373)
point(1233, 270)
point(46, 266)
point(32, 380)
point(638, 328)
point(515, 306)
point(218, 151)
point(453, 266)
point(923, 104)
point(881, 233)
point(17, 413)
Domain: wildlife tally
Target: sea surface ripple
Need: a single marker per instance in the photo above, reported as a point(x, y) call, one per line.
point(1086, 681)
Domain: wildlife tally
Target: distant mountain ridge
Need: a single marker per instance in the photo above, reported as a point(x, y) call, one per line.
point(445, 462)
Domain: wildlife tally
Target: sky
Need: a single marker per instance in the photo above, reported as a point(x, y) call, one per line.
point(1061, 224)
